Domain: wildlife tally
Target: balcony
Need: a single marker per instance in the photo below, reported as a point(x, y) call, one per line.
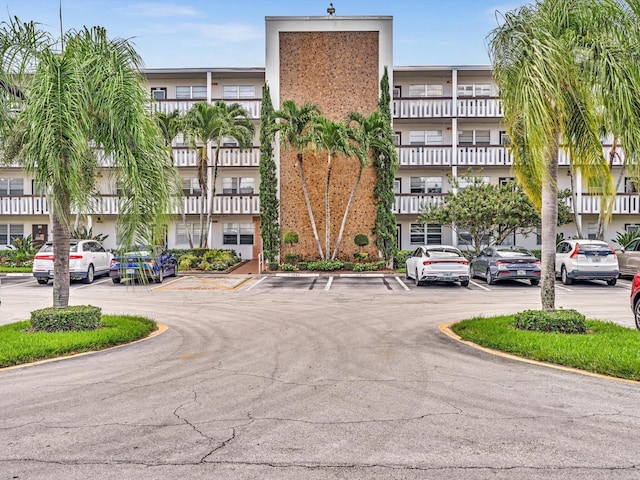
point(479, 107)
point(414, 203)
point(184, 105)
point(422, 108)
point(229, 157)
point(441, 155)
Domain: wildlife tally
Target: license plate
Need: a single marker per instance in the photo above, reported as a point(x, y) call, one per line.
point(51, 272)
point(522, 272)
point(595, 259)
point(130, 271)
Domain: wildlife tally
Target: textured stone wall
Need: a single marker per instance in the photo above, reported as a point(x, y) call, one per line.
point(338, 71)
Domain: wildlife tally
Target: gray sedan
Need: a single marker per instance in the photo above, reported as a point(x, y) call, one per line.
point(629, 258)
point(506, 263)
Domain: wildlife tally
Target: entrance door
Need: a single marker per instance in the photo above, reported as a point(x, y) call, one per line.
point(39, 234)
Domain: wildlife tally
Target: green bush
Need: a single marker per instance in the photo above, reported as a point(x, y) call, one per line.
point(360, 256)
point(187, 262)
point(206, 259)
point(361, 240)
point(78, 317)
point(273, 266)
point(325, 265)
point(290, 258)
point(368, 267)
point(400, 258)
point(347, 266)
point(560, 321)
point(303, 265)
point(287, 267)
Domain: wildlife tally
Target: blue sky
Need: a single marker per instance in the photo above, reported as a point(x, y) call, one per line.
point(217, 33)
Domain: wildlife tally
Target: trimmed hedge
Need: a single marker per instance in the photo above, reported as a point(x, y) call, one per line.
point(73, 318)
point(559, 321)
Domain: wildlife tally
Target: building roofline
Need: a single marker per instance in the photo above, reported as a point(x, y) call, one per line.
point(205, 70)
point(434, 68)
point(331, 17)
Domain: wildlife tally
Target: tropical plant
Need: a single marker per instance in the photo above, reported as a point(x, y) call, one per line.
point(84, 233)
point(269, 206)
point(331, 137)
point(290, 238)
point(207, 124)
point(568, 75)
point(24, 247)
point(58, 104)
point(625, 238)
point(385, 163)
point(293, 124)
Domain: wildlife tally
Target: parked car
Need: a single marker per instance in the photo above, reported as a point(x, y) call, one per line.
point(584, 259)
point(629, 258)
point(443, 263)
point(87, 259)
point(143, 265)
point(501, 262)
point(635, 299)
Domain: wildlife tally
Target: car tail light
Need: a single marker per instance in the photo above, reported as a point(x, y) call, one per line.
point(574, 254)
point(613, 250)
point(75, 257)
point(537, 262)
point(44, 256)
point(501, 262)
point(427, 262)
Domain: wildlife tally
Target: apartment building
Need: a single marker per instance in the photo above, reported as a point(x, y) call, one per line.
point(446, 120)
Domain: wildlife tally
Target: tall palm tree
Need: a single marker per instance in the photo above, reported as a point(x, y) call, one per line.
point(367, 137)
point(207, 124)
point(293, 124)
point(172, 124)
point(331, 137)
point(562, 67)
point(60, 104)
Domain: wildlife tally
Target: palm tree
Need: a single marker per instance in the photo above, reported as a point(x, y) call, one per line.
point(332, 137)
point(566, 69)
point(172, 124)
point(61, 103)
point(293, 125)
point(367, 137)
point(209, 123)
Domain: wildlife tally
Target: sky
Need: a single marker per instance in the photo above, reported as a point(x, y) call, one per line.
point(219, 34)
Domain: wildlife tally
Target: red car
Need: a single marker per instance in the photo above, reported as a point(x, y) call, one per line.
point(635, 299)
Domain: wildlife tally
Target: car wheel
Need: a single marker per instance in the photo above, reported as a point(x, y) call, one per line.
point(90, 275)
point(565, 277)
point(464, 283)
point(160, 277)
point(612, 281)
point(535, 281)
point(418, 282)
point(489, 277)
point(43, 281)
point(175, 270)
point(115, 280)
point(636, 313)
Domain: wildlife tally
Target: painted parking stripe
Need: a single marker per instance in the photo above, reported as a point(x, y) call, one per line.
point(404, 285)
point(259, 281)
point(480, 286)
point(329, 282)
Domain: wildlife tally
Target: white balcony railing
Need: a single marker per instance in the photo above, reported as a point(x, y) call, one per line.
point(431, 155)
point(229, 157)
point(484, 156)
point(479, 107)
point(422, 156)
point(413, 204)
point(422, 107)
point(184, 105)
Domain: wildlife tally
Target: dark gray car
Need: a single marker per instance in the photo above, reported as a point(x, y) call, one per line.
point(502, 262)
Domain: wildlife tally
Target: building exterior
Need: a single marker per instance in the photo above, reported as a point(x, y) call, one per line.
point(446, 120)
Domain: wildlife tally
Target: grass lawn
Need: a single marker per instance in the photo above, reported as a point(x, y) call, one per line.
point(607, 348)
point(18, 344)
point(15, 269)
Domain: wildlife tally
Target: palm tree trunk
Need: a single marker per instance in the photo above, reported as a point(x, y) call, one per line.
point(549, 216)
point(305, 192)
point(327, 211)
point(346, 214)
point(61, 237)
point(204, 189)
point(213, 192)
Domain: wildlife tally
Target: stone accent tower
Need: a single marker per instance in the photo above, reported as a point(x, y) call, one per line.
point(335, 63)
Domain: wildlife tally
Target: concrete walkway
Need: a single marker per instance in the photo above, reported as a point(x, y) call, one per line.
point(249, 268)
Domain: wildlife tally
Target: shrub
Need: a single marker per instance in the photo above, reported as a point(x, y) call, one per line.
point(302, 265)
point(187, 262)
point(360, 256)
point(290, 238)
point(290, 258)
point(347, 266)
point(625, 238)
point(325, 265)
point(361, 240)
point(400, 258)
point(273, 266)
point(560, 321)
point(287, 267)
point(77, 317)
point(368, 267)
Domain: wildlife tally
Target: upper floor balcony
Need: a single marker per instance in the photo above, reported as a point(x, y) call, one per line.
point(443, 107)
point(229, 157)
point(184, 105)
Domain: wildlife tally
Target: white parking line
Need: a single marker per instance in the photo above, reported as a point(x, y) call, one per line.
point(259, 281)
point(95, 282)
point(480, 286)
point(329, 282)
point(404, 285)
point(563, 288)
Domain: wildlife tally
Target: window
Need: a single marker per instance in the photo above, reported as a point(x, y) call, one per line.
point(183, 92)
point(630, 185)
point(426, 234)
point(191, 186)
point(434, 234)
point(181, 233)
point(397, 91)
point(631, 227)
point(237, 234)
point(474, 137)
point(417, 137)
point(504, 139)
point(229, 142)
point(38, 189)
point(399, 236)
point(426, 184)
point(417, 234)
point(397, 138)
point(9, 232)
point(434, 137)
point(397, 186)
point(506, 180)
point(472, 90)
point(418, 184)
point(159, 93)
point(238, 91)
point(11, 186)
point(464, 182)
point(594, 186)
point(235, 185)
point(592, 229)
point(426, 90)
point(428, 137)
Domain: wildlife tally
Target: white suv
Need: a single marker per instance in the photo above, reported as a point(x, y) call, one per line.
point(584, 259)
point(87, 260)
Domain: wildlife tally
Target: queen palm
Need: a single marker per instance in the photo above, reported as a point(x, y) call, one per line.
point(567, 72)
point(211, 123)
point(65, 101)
point(293, 124)
point(367, 137)
point(331, 137)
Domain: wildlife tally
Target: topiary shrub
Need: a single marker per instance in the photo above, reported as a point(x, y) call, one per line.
point(560, 321)
point(77, 317)
point(290, 238)
point(361, 240)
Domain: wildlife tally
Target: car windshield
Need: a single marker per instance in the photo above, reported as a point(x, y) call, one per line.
point(48, 247)
point(442, 253)
point(594, 249)
point(513, 252)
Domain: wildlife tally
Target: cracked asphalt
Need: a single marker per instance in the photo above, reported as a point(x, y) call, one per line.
point(353, 384)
